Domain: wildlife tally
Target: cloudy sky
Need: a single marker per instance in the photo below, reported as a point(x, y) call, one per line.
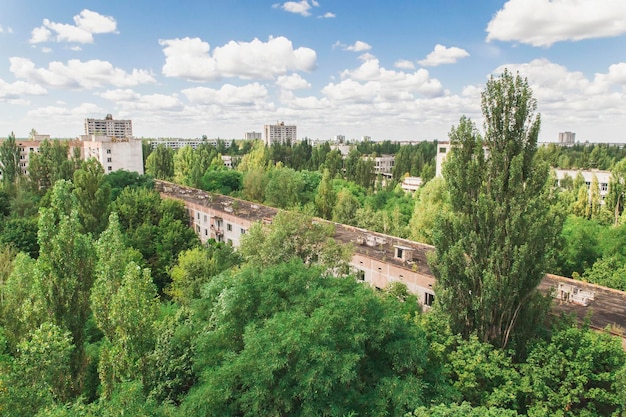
point(399, 70)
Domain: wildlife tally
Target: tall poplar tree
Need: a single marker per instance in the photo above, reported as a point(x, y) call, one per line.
point(491, 248)
point(9, 160)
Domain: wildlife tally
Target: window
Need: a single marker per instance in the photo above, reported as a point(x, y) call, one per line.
point(108, 151)
point(429, 299)
point(205, 218)
point(243, 231)
point(230, 242)
point(206, 232)
point(198, 215)
point(229, 227)
point(110, 168)
point(197, 229)
point(442, 150)
point(108, 159)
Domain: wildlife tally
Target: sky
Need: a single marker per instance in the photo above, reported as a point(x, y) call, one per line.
point(402, 70)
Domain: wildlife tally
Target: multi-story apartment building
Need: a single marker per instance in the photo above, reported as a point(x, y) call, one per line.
point(379, 259)
point(279, 133)
point(113, 153)
point(384, 164)
point(253, 136)
point(109, 127)
point(567, 138)
point(177, 143)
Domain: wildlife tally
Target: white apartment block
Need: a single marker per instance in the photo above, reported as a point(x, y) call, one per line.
point(279, 133)
point(253, 136)
point(113, 153)
point(384, 164)
point(177, 143)
point(109, 127)
point(603, 177)
point(567, 138)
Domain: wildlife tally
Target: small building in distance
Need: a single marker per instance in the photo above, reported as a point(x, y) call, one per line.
point(567, 138)
point(109, 127)
point(253, 136)
point(603, 177)
point(280, 133)
point(411, 184)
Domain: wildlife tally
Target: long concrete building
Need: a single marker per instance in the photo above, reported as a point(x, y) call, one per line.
point(381, 259)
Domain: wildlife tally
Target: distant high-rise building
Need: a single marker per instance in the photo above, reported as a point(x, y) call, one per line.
point(280, 133)
point(340, 138)
point(109, 127)
point(366, 138)
point(567, 138)
point(253, 135)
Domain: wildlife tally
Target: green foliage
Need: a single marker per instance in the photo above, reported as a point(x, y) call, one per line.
point(284, 188)
point(223, 181)
point(294, 235)
point(346, 208)
point(465, 409)
point(431, 201)
point(580, 247)
point(196, 267)
point(160, 163)
point(121, 179)
point(286, 340)
point(326, 197)
point(49, 165)
point(20, 233)
point(92, 196)
point(9, 161)
point(575, 374)
point(491, 249)
point(39, 375)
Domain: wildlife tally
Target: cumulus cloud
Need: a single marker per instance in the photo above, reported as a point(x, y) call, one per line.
point(78, 74)
point(9, 29)
point(544, 22)
point(443, 55)
point(292, 82)
point(404, 64)
point(18, 89)
point(371, 82)
point(87, 23)
point(358, 46)
point(191, 58)
point(299, 7)
point(327, 15)
point(228, 94)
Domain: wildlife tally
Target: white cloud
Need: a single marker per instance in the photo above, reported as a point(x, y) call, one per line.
point(544, 22)
point(228, 94)
point(86, 22)
point(299, 7)
point(359, 46)
point(190, 58)
point(19, 88)
point(571, 100)
point(78, 74)
point(443, 55)
point(292, 82)
point(404, 64)
point(120, 95)
point(9, 29)
point(327, 15)
point(46, 50)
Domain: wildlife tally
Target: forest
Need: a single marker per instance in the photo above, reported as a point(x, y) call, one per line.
point(110, 305)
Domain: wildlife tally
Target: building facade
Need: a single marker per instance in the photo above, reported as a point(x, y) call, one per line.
point(567, 138)
point(253, 136)
point(279, 133)
point(109, 127)
point(113, 153)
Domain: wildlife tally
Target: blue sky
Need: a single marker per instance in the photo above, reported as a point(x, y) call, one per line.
point(399, 70)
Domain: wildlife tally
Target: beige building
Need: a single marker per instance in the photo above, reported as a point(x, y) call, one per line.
point(109, 127)
point(279, 133)
point(113, 153)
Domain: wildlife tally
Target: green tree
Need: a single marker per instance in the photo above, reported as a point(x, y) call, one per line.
point(284, 188)
point(65, 270)
point(286, 340)
point(491, 249)
point(294, 235)
point(196, 267)
point(326, 197)
point(346, 208)
point(93, 196)
point(50, 164)
point(133, 314)
point(334, 163)
point(9, 160)
point(183, 164)
point(431, 201)
point(160, 163)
